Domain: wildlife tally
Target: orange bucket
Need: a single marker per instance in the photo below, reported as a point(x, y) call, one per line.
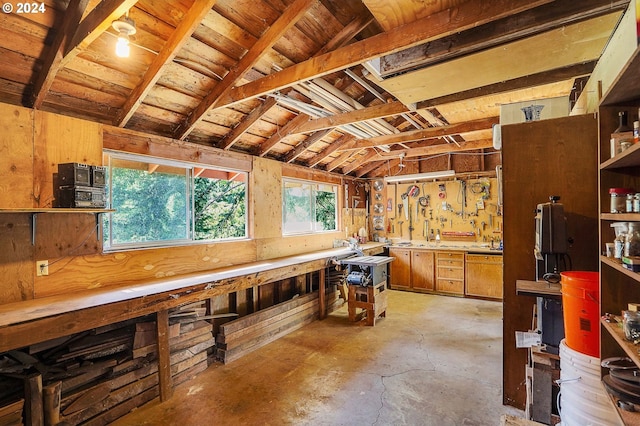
point(581, 311)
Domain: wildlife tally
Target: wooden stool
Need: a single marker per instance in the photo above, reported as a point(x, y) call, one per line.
point(371, 299)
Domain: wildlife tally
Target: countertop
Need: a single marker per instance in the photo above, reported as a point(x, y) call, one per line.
point(469, 247)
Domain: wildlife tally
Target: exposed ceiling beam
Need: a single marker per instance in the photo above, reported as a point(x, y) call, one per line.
point(248, 121)
point(282, 133)
point(179, 37)
point(271, 36)
point(422, 134)
point(306, 144)
point(462, 17)
point(340, 160)
point(442, 148)
point(359, 161)
point(97, 22)
point(369, 167)
point(347, 34)
point(558, 14)
point(330, 149)
point(356, 116)
point(53, 59)
point(539, 79)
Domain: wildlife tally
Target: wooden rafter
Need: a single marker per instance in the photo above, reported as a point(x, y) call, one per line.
point(306, 144)
point(288, 18)
point(359, 160)
point(538, 79)
point(441, 148)
point(330, 149)
point(535, 21)
point(346, 34)
point(282, 133)
point(369, 167)
point(244, 125)
point(368, 113)
point(422, 134)
point(96, 23)
point(178, 38)
point(466, 15)
point(53, 59)
point(340, 160)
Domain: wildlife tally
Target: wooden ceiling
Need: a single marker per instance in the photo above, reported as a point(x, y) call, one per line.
point(336, 85)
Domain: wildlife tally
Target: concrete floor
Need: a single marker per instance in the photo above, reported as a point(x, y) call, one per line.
point(434, 360)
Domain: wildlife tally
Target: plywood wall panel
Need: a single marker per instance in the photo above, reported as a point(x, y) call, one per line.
point(16, 268)
point(76, 273)
point(16, 157)
point(60, 139)
point(266, 187)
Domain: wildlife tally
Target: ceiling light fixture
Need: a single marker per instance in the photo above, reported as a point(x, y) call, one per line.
point(125, 27)
point(420, 176)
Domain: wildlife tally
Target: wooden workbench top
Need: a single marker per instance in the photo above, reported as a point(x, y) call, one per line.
point(29, 310)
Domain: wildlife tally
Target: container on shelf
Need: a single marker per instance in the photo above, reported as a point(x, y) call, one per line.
point(581, 311)
point(621, 229)
point(632, 240)
point(619, 199)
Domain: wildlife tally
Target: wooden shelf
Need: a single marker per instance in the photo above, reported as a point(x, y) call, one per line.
point(616, 264)
point(627, 158)
point(621, 217)
point(54, 210)
point(615, 330)
point(626, 87)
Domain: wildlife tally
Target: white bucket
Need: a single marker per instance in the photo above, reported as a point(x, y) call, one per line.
point(583, 400)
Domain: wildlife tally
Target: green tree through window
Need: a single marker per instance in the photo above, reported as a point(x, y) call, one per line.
point(160, 202)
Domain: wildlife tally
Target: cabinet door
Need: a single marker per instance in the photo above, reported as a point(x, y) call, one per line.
point(484, 276)
point(400, 269)
point(422, 269)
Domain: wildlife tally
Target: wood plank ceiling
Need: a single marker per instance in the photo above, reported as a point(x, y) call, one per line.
point(336, 85)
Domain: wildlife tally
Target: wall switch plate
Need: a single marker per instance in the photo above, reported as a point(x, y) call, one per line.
point(42, 268)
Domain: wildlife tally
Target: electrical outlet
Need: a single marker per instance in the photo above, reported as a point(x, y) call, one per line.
point(42, 268)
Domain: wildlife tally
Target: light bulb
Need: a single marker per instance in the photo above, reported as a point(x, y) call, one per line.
point(122, 46)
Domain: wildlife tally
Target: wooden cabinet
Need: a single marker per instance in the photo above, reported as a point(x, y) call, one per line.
point(411, 269)
point(400, 269)
point(422, 270)
point(483, 275)
point(450, 272)
point(618, 286)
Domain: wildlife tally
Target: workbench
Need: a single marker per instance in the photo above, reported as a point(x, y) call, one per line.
point(33, 321)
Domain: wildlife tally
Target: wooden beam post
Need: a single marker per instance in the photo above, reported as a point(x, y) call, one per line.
point(33, 410)
point(164, 362)
point(322, 299)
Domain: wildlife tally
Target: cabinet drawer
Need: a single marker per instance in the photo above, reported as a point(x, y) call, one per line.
point(450, 286)
point(455, 273)
point(450, 255)
point(484, 258)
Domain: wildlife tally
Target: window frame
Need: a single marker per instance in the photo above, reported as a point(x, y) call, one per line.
point(313, 202)
point(107, 217)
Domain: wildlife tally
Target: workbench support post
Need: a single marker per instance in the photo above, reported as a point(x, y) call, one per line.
point(164, 362)
point(322, 293)
point(33, 409)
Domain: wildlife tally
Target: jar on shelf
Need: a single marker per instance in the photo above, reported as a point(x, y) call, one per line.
point(619, 199)
point(629, 203)
point(631, 325)
point(636, 203)
point(632, 240)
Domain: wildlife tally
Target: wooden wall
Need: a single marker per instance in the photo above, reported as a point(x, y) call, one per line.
point(32, 143)
point(543, 158)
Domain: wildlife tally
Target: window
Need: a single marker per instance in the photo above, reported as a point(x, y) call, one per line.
point(309, 207)
point(160, 202)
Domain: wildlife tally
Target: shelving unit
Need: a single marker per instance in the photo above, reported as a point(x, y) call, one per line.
point(618, 285)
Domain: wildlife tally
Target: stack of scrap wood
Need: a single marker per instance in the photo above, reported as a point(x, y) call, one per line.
point(100, 375)
point(11, 414)
point(246, 334)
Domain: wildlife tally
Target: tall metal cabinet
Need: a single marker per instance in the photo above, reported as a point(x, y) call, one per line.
point(618, 286)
